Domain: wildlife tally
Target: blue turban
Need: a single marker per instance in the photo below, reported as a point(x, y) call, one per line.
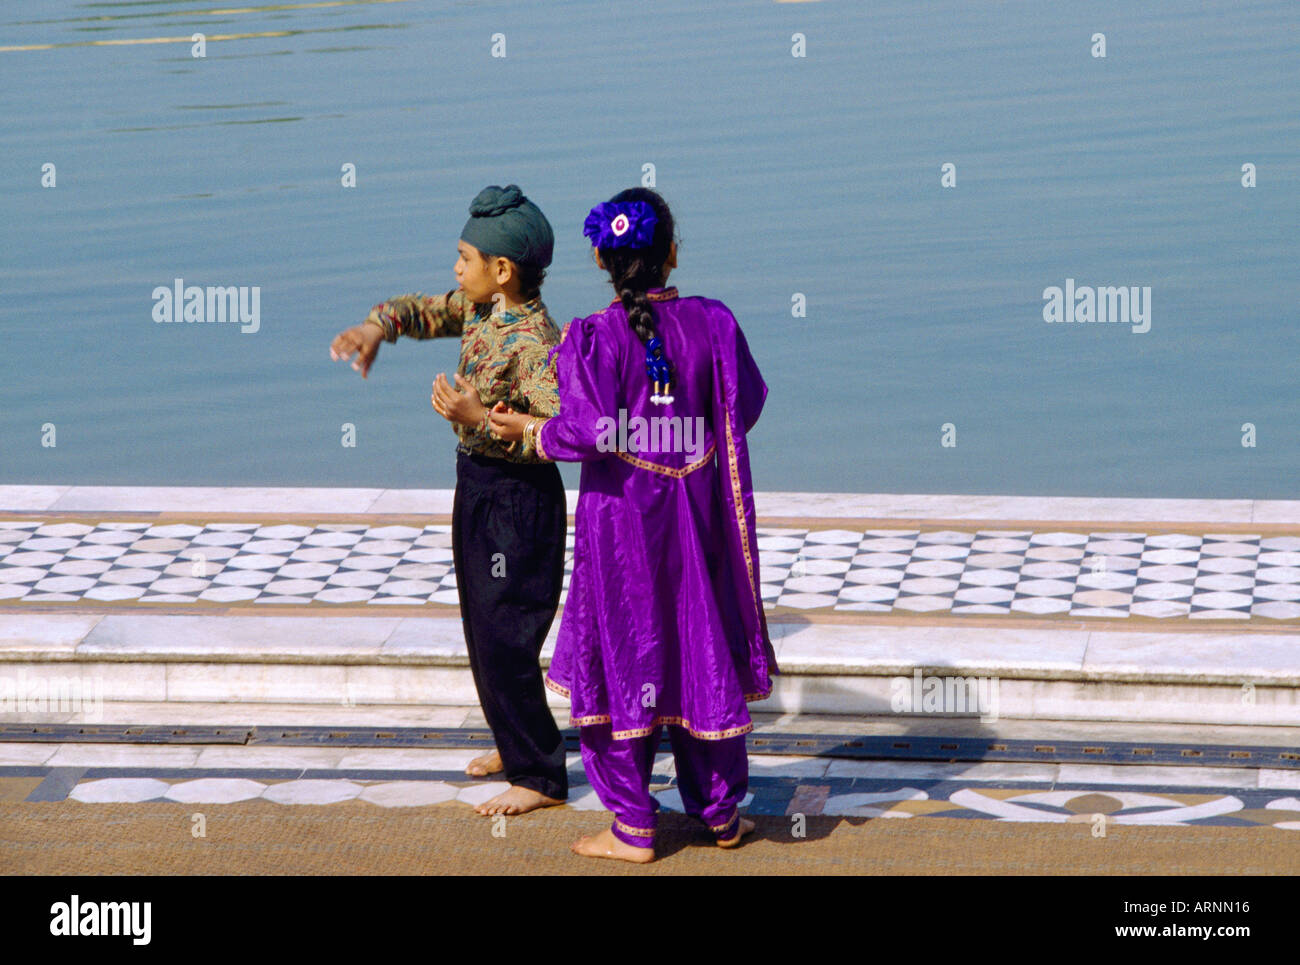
point(503, 222)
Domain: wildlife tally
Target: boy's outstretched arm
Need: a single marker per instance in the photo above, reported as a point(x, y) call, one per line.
point(422, 316)
point(416, 316)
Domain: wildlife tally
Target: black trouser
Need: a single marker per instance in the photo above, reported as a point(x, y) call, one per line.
point(507, 535)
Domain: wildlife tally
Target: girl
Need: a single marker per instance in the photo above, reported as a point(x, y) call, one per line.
point(663, 625)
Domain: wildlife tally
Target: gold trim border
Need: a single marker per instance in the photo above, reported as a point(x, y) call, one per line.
point(635, 832)
point(708, 735)
point(718, 829)
point(738, 501)
point(681, 473)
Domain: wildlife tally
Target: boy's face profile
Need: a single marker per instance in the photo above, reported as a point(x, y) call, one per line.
point(473, 274)
point(480, 276)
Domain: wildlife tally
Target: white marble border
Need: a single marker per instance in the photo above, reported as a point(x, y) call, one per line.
point(180, 499)
point(355, 648)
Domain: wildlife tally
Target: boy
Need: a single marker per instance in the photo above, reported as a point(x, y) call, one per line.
point(509, 516)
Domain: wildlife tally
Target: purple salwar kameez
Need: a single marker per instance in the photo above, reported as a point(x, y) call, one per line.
point(663, 624)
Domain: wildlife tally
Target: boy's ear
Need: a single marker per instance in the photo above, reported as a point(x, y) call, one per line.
point(505, 270)
point(672, 255)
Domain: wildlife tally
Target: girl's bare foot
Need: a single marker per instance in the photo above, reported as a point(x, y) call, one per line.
point(605, 845)
point(746, 826)
point(485, 764)
point(517, 800)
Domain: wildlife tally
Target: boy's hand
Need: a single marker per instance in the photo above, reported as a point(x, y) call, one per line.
point(460, 404)
point(507, 424)
point(362, 339)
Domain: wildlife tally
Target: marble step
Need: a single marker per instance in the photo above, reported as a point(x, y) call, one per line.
point(1209, 677)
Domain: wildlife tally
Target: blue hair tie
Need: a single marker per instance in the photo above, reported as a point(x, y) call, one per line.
point(659, 369)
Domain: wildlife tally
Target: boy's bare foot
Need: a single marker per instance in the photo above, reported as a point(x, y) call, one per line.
point(746, 826)
point(516, 800)
point(605, 845)
point(485, 764)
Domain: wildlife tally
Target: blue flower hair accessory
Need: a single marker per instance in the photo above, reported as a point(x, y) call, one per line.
point(625, 224)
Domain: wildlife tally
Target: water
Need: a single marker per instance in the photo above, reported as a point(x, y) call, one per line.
point(817, 175)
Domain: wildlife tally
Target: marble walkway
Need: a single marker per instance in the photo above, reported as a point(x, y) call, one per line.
point(1234, 563)
point(783, 785)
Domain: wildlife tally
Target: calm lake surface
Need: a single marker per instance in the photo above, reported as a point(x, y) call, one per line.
point(816, 175)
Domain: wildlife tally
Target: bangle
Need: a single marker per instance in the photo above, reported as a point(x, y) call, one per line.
point(537, 439)
point(529, 428)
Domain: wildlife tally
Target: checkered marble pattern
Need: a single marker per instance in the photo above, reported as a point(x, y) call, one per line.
point(226, 563)
point(1076, 574)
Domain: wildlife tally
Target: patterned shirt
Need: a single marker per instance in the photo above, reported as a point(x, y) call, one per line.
point(503, 355)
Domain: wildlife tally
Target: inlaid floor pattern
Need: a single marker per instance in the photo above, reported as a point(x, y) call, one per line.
point(1077, 574)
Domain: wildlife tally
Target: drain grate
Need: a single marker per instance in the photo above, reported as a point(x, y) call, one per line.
point(124, 734)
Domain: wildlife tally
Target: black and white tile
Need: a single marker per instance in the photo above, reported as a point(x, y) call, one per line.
point(1077, 574)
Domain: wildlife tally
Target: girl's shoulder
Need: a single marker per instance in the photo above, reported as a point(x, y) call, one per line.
point(611, 321)
point(610, 313)
point(715, 312)
point(599, 326)
point(700, 301)
point(606, 318)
